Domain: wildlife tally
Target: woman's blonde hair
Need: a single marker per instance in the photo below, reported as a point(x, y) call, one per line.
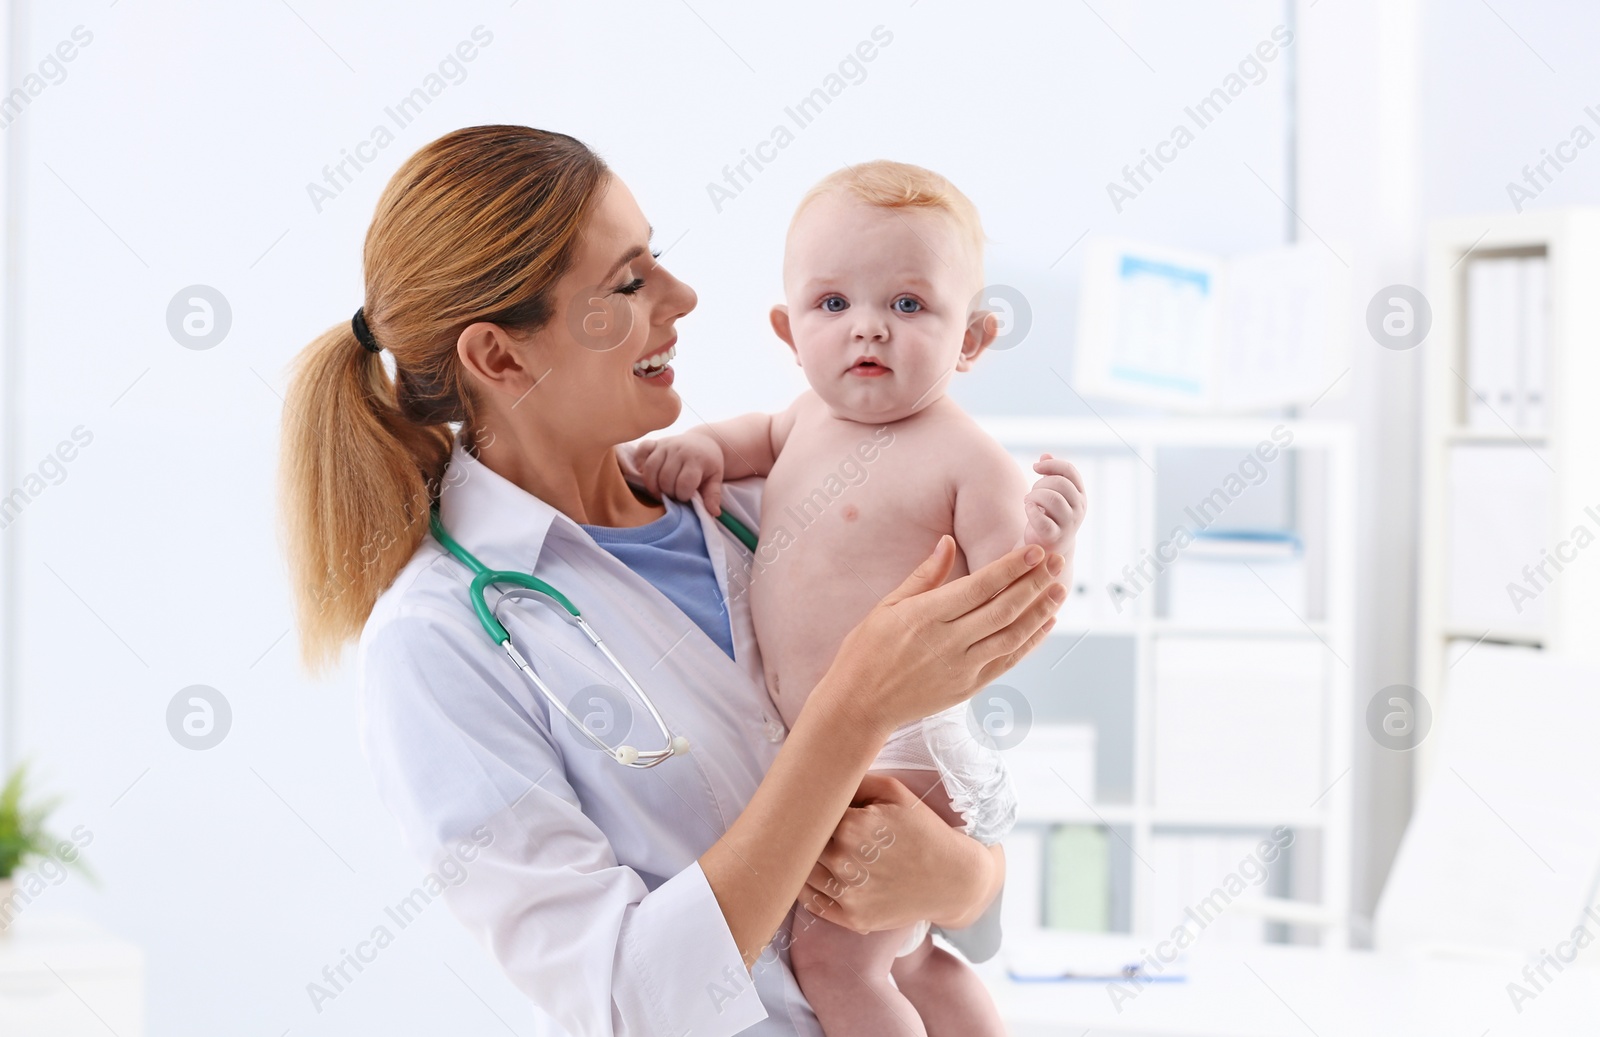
point(476, 226)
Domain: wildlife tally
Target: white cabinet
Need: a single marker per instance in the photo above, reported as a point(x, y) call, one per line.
point(1510, 476)
point(1238, 724)
point(61, 977)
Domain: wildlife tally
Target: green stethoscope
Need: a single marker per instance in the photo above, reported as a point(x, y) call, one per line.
point(484, 577)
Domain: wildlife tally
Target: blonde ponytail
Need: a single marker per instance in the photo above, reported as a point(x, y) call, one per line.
point(476, 226)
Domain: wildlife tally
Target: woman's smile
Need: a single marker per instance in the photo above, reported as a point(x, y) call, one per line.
point(654, 368)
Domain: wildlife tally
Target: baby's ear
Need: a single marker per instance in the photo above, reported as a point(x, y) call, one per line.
point(780, 324)
point(982, 328)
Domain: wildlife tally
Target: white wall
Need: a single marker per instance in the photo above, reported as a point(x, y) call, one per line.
point(1497, 92)
point(1358, 170)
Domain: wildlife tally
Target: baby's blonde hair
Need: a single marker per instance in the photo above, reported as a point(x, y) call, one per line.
point(901, 185)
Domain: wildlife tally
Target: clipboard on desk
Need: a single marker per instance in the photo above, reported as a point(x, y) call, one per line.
point(1085, 958)
point(1135, 974)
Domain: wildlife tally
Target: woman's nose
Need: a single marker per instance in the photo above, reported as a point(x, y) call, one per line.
point(676, 301)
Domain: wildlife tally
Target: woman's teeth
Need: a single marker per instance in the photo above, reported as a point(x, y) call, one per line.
point(652, 365)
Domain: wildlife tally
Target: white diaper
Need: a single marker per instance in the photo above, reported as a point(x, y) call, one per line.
point(918, 933)
point(906, 749)
point(974, 775)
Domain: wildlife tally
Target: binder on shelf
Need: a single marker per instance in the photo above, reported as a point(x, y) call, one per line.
point(1022, 905)
point(1535, 344)
point(1506, 343)
point(1078, 879)
point(1082, 609)
point(1493, 334)
point(1202, 877)
point(1108, 542)
point(1120, 596)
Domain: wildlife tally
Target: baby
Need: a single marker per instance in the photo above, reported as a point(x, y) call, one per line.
point(882, 272)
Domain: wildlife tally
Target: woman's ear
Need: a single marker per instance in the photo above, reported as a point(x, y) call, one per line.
point(780, 324)
point(982, 328)
point(494, 359)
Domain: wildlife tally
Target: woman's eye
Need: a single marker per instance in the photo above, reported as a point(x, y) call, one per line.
point(835, 304)
point(632, 286)
point(906, 304)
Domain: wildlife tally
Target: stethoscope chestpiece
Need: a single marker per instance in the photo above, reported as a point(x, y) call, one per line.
point(628, 756)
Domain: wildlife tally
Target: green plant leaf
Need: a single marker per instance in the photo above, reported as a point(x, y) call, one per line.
point(23, 835)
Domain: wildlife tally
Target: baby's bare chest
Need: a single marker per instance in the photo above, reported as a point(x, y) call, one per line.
point(847, 512)
point(837, 497)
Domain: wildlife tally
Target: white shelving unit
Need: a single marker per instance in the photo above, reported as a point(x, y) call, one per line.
point(1564, 452)
point(1323, 506)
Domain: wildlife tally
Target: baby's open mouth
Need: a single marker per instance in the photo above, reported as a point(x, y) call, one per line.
point(868, 367)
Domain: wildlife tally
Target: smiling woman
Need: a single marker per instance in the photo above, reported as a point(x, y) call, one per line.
point(365, 455)
point(619, 905)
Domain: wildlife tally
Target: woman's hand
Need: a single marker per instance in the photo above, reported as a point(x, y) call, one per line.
point(927, 647)
point(893, 861)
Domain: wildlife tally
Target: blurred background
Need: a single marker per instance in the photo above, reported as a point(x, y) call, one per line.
point(1307, 288)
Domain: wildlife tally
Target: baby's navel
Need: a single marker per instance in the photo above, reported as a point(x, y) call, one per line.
point(851, 512)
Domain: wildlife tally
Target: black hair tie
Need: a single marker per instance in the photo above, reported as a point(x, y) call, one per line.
point(358, 324)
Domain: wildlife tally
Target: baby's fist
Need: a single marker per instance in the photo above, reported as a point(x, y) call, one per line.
point(1055, 505)
point(679, 465)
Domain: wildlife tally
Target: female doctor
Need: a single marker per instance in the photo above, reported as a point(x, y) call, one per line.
point(622, 899)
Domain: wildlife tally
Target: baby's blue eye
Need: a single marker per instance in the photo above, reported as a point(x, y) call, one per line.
point(828, 304)
point(906, 304)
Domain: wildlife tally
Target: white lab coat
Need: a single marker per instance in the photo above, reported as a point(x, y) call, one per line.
point(581, 876)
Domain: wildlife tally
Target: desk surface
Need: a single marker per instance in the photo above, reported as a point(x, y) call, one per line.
point(1276, 991)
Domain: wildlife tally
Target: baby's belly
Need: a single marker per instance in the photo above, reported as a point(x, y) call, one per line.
point(822, 569)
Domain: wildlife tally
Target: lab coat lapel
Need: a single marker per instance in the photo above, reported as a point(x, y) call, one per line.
point(730, 568)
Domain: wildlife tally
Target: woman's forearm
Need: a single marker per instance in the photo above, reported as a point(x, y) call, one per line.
point(759, 867)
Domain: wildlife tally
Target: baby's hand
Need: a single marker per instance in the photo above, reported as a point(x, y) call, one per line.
point(1055, 505)
point(679, 465)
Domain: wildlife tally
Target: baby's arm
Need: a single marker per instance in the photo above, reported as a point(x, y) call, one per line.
point(996, 512)
point(706, 455)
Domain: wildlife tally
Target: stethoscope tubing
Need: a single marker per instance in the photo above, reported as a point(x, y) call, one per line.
point(483, 577)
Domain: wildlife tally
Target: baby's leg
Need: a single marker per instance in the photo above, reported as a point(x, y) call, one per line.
point(845, 977)
point(948, 995)
point(926, 786)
